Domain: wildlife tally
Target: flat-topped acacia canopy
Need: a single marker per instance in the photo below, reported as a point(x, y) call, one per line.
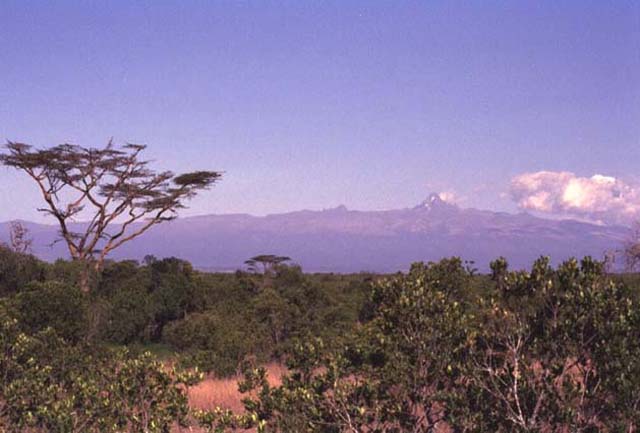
point(110, 187)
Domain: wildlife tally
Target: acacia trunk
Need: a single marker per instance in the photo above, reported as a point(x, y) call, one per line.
point(85, 283)
point(89, 268)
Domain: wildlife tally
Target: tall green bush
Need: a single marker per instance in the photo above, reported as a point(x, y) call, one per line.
point(548, 350)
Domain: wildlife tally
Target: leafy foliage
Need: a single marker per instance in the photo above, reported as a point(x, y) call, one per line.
point(50, 386)
point(17, 270)
point(550, 350)
point(52, 305)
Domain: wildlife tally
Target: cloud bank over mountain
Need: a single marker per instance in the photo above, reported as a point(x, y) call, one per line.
point(601, 199)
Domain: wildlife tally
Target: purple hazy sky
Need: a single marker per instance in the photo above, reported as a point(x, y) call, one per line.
point(309, 104)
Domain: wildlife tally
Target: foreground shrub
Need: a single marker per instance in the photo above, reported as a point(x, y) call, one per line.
point(550, 350)
point(559, 350)
point(50, 386)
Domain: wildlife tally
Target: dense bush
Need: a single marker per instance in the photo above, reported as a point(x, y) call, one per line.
point(128, 316)
point(545, 350)
point(49, 385)
point(139, 301)
point(263, 315)
point(550, 350)
point(52, 305)
point(211, 343)
point(17, 270)
point(557, 349)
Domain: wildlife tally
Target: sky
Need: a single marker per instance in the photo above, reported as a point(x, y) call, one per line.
point(505, 106)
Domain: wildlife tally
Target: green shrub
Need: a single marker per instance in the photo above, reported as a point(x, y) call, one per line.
point(17, 270)
point(128, 317)
point(549, 350)
point(51, 386)
point(211, 344)
point(52, 305)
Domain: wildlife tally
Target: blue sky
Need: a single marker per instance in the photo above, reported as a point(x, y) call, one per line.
point(307, 104)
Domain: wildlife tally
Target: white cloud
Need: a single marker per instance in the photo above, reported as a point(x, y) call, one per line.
point(597, 198)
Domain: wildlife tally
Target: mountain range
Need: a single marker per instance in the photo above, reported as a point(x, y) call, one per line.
point(343, 240)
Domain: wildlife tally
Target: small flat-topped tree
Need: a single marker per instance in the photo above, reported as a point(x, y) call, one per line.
point(265, 263)
point(110, 190)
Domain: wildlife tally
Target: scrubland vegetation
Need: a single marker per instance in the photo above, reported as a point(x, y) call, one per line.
point(436, 349)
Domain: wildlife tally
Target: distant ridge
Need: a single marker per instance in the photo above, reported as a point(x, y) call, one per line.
point(343, 240)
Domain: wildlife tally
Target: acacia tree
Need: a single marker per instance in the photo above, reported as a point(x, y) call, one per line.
point(265, 263)
point(264, 266)
point(110, 194)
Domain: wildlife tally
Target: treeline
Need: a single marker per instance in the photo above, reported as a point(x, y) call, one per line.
point(209, 320)
point(439, 348)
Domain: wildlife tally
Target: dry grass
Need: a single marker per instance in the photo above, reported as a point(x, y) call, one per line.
point(213, 392)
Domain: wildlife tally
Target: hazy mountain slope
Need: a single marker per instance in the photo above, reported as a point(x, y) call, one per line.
point(342, 240)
